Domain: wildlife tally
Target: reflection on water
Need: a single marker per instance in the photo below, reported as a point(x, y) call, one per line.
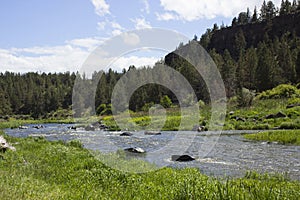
point(231, 155)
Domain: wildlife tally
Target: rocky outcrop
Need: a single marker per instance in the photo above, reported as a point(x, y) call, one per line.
point(274, 116)
point(4, 146)
point(182, 158)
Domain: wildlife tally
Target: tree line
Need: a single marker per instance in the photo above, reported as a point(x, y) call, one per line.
point(247, 62)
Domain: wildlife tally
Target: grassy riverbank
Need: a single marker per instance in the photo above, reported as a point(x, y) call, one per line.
point(14, 123)
point(283, 136)
point(54, 170)
point(255, 117)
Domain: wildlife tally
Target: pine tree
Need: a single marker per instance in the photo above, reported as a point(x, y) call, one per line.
point(294, 6)
point(266, 68)
point(298, 67)
point(255, 16)
point(240, 43)
point(228, 73)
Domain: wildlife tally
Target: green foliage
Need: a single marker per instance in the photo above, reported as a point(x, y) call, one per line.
point(283, 137)
point(53, 170)
point(166, 102)
point(100, 109)
point(245, 97)
point(281, 91)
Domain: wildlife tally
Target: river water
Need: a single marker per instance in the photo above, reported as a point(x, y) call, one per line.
point(224, 153)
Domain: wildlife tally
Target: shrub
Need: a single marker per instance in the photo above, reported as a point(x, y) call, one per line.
point(281, 91)
point(166, 102)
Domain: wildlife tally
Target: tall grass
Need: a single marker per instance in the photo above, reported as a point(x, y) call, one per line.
point(283, 137)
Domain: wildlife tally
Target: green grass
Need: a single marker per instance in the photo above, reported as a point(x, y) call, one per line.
point(282, 136)
point(40, 169)
point(14, 123)
point(254, 116)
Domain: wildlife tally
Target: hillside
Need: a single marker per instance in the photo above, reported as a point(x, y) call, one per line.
point(255, 33)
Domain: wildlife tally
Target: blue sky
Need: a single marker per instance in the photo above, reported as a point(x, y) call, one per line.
point(58, 35)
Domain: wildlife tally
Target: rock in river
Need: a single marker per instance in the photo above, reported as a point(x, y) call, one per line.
point(135, 150)
point(126, 134)
point(182, 158)
point(152, 133)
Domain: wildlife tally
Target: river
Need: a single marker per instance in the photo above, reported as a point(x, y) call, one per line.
point(225, 154)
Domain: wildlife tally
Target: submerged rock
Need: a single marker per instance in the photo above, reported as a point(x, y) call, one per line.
point(96, 126)
point(182, 158)
point(135, 150)
point(152, 133)
point(126, 134)
point(90, 128)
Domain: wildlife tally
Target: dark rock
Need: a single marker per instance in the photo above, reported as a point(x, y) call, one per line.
point(199, 128)
point(152, 133)
point(135, 150)
point(38, 127)
point(182, 158)
point(104, 127)
point(274, 116)
point(126, 134)
point(236, 118)
point(72, 127)
point(293, 105)
point(23, 127)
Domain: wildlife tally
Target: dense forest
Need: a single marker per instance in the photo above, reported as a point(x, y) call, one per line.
point(259, 51)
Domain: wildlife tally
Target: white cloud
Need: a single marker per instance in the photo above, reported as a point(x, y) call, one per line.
point(166, 16)
point(116, 32)
point(101, 7)
point(125, 62)
point(67, 57)
point(206, 9)
point(88, 43)
point(115, 25)
point(141, 23)
point(146, 6)
point(131, 39)
point(101, 25)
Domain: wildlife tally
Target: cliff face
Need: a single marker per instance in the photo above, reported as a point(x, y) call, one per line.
point(255, 33)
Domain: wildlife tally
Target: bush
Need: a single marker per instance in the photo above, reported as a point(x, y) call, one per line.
point(281, 91)
point(166, 102)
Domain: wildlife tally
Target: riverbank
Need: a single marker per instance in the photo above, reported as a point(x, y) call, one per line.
point(40, 169)
point(286, 137)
